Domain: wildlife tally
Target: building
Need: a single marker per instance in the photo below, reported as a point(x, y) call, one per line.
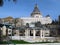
point(36, 16)
point(29, 32)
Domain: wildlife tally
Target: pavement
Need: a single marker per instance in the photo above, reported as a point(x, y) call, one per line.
point(35, 44)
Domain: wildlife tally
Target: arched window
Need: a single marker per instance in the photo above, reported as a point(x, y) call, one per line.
point(27, 25)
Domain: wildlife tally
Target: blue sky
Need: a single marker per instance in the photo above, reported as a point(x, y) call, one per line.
point(23, 8)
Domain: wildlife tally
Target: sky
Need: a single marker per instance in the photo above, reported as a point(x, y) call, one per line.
point(24, 8)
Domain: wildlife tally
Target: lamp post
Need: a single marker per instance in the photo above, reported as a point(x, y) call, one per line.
point(7, 36)
point(11, 34)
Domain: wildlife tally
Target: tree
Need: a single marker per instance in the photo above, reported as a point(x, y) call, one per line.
point(2, 2)
point(53, 22)
point(15, 1)
point(1, 36)
point(56, 22)
point(59, 19)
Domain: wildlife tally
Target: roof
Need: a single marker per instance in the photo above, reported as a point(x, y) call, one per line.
point(36, 10)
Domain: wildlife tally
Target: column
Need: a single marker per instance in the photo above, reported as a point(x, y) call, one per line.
point(26, 33)
point(34, 32)
point(41, 33)
point(4, 30)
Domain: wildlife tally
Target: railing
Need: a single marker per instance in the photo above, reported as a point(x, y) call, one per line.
point(28, 37)
point(31, 38)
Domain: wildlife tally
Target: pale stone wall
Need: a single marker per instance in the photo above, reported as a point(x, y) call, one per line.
point(37, 16)
point(43, 20)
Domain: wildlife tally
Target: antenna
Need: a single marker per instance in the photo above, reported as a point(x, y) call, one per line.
point(35, 1)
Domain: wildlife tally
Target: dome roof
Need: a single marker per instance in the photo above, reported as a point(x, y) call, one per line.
point(36, 10)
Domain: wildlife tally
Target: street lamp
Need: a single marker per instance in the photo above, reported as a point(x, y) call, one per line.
point(11, 33)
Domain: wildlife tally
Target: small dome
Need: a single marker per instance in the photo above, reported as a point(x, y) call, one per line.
point(48, 16)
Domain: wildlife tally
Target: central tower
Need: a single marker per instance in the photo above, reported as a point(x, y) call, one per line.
point(36, 13)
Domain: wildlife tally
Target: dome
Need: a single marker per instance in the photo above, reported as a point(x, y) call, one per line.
point(48, 16)
point(35, 11)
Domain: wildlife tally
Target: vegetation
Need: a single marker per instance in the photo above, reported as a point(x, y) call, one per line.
point(24, 42)
point(2, 2)
point(3, 42)
point(0, 35)
point(56, 22)
point(19, 42)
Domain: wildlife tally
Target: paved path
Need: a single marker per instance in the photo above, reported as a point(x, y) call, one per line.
point(35, 44)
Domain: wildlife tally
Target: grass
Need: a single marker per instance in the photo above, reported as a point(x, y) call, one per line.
point(23, 42)
point(3, 42)
point(19, 42)
point(14, 42)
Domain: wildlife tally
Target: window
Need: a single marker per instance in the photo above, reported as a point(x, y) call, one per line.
point(46, 33)
point(37, 16)
point(9, 31)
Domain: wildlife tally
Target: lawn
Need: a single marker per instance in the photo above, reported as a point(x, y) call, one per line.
point(19, 42)
point(23, 42)
point(14, 42)
point(3, 42)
